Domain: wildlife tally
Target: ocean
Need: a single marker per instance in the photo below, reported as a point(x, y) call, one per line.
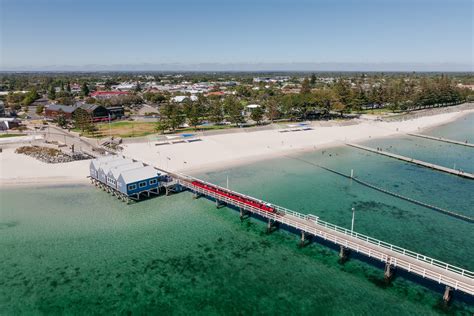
point(77, 250)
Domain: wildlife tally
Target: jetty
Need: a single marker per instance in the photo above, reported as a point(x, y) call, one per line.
point(466, 218)
point(452, 277)
point(125, 182)
point(441, 139)
point(459, 173)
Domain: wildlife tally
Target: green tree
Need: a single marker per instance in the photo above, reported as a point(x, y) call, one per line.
point(233, 108)
point(272, 108)
point(61, 119)
point(85, 89)
point(342, 90)
point(305, 87)
point(194, 112)
point(257, 114)
point(39, 109)
point(313, 79)
point(173, 114)
point(51, 93)
point(162, 125)
point(30, 97)
point(82, 120)
point(68, 87)
point(216, 110)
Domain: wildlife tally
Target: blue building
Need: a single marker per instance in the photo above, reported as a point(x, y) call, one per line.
point(136, 181)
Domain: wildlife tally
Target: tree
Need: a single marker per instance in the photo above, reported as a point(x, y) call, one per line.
point(138, 88)
point(216, 111)
point(85, 90)
point(90, 101)
point(338, 106)
point(68, 87)
point(342, 91)
point(162, 125)
point(51, 93)
point(61, 119)
point(272, 108)
point(173, 115)
point(313, 79)
point(257, 114)
point(30, 97)
point(39, 109)
point(305, 87)
point(82, 120)
point(193, 111)
point(233, 108)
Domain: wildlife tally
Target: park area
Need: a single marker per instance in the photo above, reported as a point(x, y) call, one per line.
point(127, 129)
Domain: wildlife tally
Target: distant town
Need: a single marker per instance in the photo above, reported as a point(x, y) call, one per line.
point(147, 103)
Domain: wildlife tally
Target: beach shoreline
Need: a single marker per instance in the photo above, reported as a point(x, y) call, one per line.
point(217, 152)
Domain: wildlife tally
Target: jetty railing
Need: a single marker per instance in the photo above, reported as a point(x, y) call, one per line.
point(425, 266)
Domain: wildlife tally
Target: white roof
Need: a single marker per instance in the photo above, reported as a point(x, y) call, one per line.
point(181, 98)
point(98, 161)
point(135, 175)
point(114, 163)
point(116, 171)
point(253, 106)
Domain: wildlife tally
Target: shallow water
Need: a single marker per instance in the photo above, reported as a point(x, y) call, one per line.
point(77, 250)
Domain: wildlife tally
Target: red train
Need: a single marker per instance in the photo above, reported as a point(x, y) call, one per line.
point(235, 197)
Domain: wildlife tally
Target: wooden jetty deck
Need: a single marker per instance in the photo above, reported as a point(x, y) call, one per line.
point(441, 139)
point(415, 161)
point(393, 256)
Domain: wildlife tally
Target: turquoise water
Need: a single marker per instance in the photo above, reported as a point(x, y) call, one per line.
point(77, 250)
point(444, 154)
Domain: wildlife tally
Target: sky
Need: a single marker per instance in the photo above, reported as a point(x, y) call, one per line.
point(103, 34)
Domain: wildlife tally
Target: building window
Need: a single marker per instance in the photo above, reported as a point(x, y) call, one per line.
point(142, 184)
point(152, 182)
point(132, 187)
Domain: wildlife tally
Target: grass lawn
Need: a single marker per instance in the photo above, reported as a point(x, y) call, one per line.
point(11, 135)
point(126, 129)
point(122, 129)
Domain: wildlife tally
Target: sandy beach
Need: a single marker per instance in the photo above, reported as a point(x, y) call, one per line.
point(215, 152)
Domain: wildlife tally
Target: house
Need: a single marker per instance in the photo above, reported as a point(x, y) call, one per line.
point(249, 108)
point(105, 168)
point(107, 94)
point(136, 181)
point(116, 112)
point(7, 123)
point(114, 173)
point(40, 101)
point(95, 164)
point(181, 98)
point(97, 112)
point(52, 111)
point(125, 86)
point(215, 93)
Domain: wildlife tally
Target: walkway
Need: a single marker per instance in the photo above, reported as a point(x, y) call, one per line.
point(441, 139)
point(415, 161)
point(423, 266)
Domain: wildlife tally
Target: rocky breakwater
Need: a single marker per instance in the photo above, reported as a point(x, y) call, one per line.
point(50, 155)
